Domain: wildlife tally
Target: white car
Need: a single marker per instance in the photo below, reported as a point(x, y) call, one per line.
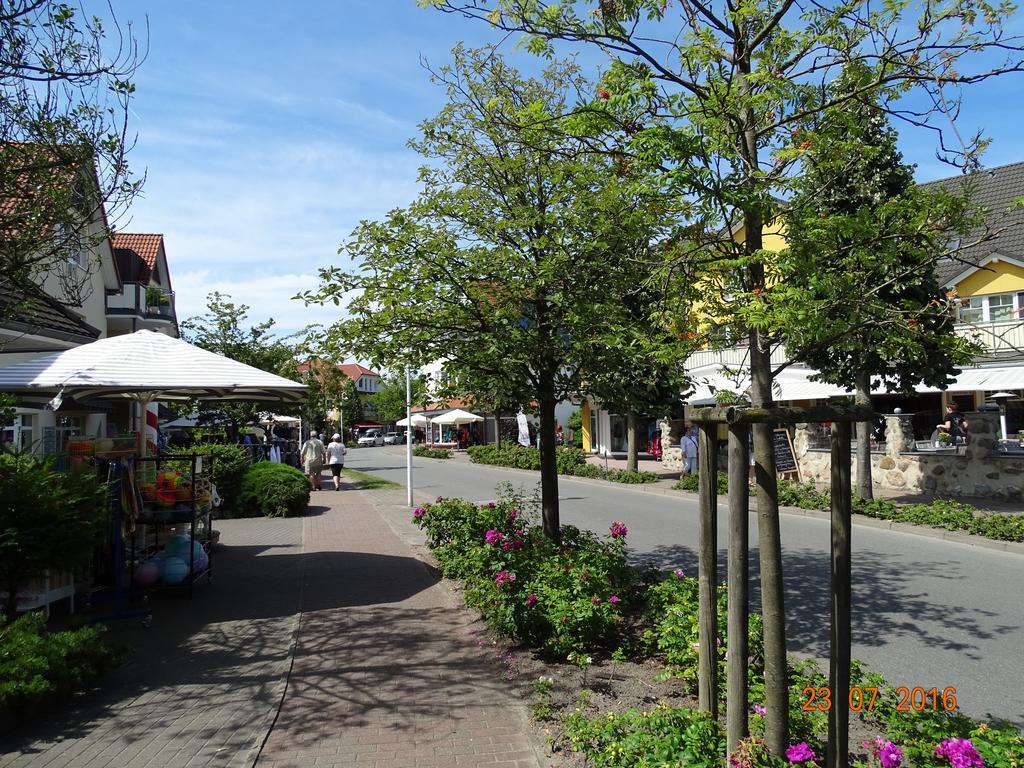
point(394, 438)
point(373, 437)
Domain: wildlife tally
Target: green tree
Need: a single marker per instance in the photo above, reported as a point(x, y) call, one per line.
point(223, 329)
point(510, 260)
point(329, 390)
point(389, 400)
point(858, 273)
point(65, 93)
point(722, 95)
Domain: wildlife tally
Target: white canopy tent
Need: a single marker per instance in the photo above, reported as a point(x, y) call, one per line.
point(143, 366)
point(418, 420)
point(794, 383)
point(455, 417)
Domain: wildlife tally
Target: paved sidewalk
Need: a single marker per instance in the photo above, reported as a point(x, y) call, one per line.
point(388, 672)
point(322, 640)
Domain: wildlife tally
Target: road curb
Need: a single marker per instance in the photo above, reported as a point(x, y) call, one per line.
point(663, 489)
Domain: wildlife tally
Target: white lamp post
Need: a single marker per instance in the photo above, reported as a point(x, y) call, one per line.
point(408, 434)
point(1000, 398)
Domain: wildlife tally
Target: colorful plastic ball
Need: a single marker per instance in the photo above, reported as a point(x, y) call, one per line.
point(174, 570)
point(147, 573)
point(178, 545)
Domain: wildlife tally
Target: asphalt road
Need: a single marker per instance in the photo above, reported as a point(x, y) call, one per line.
point(926, 612)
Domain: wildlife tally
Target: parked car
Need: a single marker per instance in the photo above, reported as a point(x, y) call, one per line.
point(394, 438)
point(371, 437)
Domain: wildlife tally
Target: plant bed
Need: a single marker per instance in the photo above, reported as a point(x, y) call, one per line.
point(431, 453)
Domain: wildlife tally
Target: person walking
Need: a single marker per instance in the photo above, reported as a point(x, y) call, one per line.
point(336, 451)
point(688, 443)
point(312, 455)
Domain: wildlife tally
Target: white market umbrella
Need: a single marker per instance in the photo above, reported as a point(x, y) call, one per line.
point(143, 366)
point(418, 420)
point(456, 417)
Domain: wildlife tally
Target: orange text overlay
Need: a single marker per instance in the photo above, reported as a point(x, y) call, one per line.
point(863, 699)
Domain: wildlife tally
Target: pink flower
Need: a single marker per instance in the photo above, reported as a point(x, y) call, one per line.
point(960, 753)
point(613, 599)
point(759, 710)
point(419, 512)
point(618, 530)
point(531, 599)
point(490, 505)
point(440, 498)
point(680, 573)
point(512, 513)
point(501, 578)
point(493, 537)
point(888, 754)
point(801, 753)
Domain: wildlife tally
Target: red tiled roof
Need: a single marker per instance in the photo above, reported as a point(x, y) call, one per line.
point(136, 255)
point(352, 370)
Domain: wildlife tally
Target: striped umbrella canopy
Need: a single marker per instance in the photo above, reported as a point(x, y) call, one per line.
point(143, 366)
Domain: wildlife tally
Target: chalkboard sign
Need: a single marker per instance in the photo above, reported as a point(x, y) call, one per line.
point(785, 458)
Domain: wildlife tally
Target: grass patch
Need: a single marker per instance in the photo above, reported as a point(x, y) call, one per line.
point(363, 481)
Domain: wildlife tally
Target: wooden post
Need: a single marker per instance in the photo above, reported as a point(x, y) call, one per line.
point(840, 635)
point(739, 549)
point(707, 576)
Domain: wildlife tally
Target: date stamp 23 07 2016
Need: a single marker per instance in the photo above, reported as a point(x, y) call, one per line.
point(863, 698)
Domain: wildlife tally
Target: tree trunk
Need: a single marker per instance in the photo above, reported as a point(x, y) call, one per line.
point(737, 693)
point(548, 466)
point(707, 571)
point(631, 442)
point(862, 396)
point(841, 623)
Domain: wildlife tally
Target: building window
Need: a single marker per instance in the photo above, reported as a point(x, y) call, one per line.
point(1000, 307)
point(69, 243)
point(994, 308)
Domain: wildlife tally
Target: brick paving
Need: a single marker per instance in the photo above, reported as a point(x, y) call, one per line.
point(371, 658)
point(388, 671)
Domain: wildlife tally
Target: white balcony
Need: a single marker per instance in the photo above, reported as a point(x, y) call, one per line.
point(1001, 339)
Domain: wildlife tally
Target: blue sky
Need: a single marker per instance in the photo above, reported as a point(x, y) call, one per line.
point(267, 133)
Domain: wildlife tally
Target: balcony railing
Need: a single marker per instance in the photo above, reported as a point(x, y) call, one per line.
point(1001, 339)
point(733, 357)
point(142, 301)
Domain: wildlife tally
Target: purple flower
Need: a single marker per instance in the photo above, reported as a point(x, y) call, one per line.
point(618, 530)
point(531, 599)
point(680, 573)
point(758, 709)
point(501, 578)
point(889, 755)
point(800, 753)
point(493, 537)
point(512, 513)
point(960, 753)
point(613, 599)
point(490, 505)
point(419, 512)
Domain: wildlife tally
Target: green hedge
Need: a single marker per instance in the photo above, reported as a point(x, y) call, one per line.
point(570, 461)
point(40, 668)
point(230, 463)
point(941, 513)
point(431, 453)
point(273, 490)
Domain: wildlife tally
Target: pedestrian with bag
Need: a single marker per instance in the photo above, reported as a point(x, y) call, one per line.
point(336, 451)
point(312, 455)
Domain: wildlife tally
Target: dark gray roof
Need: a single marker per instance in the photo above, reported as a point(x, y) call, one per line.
point(994, 189)
point(26, 309)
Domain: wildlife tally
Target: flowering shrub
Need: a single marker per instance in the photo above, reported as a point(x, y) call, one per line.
point(673, 608)
point(885, 753)
point(752, 752)
point(561, 598)
point(662, 736)
point(797, 754)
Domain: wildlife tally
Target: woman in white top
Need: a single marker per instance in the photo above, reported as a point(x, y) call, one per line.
point(336, 451)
